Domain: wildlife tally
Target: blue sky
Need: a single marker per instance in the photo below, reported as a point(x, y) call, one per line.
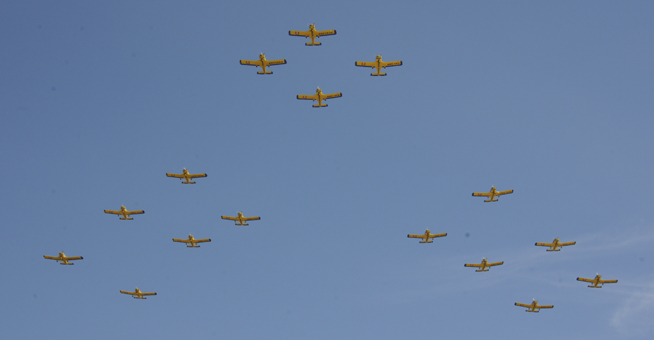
point(100, 100)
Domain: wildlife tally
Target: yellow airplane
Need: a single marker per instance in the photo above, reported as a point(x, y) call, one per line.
point(240, 219)
point(533, 307)
point(263, 63)
point(484, 265)
point(313, 34)
point(186, 176)
point(63, 258)
point(193, 242)
point(319, 96)
point(492, 194)
point(555, 244)
point(125, 213)
point(378, 64)
point(427, 237)
point(597, 282)
point(137, 293)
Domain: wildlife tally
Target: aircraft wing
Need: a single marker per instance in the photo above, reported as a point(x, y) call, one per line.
point(608, 281)
point(51, 257)
point(229, 218)
point(135, 212)
point(437, 235)
point(277, 62)
point(495, 263)
point(545, 306)
point(304, 96)
point(332, 95)
point(203, 240)
point(415, 236)
point(522, 305)
point(329, 32)
point(300, 33)
point(72, 258)
point(130, 293)
point(505, 192)
point(181, 240)
point(112, 212)
point(197, 175)
point(545, 244)
point(391, 63)
point(364, 64)
point(472, 265)
point(148, 294)
point(585, 280)
point(251, 218)
point(251, 62)
point(568, 243)
point(485, 194)
point(173, 175)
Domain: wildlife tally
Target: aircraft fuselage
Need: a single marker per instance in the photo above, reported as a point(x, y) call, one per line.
point(240, 218)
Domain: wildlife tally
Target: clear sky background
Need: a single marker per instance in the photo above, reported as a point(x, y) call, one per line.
point(100, 99)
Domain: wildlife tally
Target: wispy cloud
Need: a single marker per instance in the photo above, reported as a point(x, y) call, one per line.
point(615, 240)
point(635, 314)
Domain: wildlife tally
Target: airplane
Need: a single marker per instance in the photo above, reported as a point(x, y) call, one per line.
point(186, 176)
point(125, 213)
point(240, 219)
point(597, 282)
point(492, 194)
point(378, 64)
point(555, 244)
point(137, 294)
point(192, 241)
point(533, 307)
point(63, 258)
point(263, 63)
point(484, 265)
point(427, 237)
point(313, 34)
point(319, 96)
